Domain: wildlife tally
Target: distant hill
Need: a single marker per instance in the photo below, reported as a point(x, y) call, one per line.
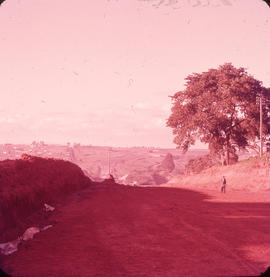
point(129, 165)
point(135, 165)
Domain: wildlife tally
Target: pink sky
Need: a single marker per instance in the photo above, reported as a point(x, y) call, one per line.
point(99, 72)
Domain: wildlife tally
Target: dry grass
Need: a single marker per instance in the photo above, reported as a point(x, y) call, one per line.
point(252, 174)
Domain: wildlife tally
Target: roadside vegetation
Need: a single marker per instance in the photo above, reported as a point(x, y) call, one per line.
point(27, 184)
point(229, 110)
point(252, 174)
point(221, 107)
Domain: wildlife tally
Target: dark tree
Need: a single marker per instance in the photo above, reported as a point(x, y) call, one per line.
point(267, 2)
point(1, 2)
point(219, 107)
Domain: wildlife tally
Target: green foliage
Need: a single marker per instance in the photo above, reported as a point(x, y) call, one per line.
point(219, 107)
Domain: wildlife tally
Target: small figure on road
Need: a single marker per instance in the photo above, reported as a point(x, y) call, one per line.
point(223, 185)
point(109, 179)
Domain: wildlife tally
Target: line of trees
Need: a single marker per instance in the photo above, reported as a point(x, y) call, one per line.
point(220, 107)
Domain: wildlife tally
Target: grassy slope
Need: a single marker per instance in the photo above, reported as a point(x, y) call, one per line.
point(252, 174)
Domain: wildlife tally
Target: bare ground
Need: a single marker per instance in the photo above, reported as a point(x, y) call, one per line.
point(115, 230)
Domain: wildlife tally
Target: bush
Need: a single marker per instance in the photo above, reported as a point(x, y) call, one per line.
point(199, 164)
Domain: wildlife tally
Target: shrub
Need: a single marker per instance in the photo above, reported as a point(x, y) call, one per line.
point(199, 164)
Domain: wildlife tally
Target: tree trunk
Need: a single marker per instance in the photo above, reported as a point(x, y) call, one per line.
point(227, 151)
point(227, 156)
point(222, 158)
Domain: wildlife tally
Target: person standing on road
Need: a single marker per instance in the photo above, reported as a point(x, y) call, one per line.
point(223, 184)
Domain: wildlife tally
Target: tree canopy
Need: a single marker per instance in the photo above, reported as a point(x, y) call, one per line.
point(219, 107)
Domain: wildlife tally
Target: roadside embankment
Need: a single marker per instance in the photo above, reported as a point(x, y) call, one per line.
point(27, 184)
point(251, 175)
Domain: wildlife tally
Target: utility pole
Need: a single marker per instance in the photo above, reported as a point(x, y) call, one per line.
point(109, 160)
point(261, 139)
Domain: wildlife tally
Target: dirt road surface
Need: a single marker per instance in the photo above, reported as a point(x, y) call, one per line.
point(113, 231)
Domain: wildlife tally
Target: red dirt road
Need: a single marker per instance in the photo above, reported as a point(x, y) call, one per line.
point(111, 231)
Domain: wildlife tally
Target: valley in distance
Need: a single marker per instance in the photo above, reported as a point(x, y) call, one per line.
point(128, 165)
